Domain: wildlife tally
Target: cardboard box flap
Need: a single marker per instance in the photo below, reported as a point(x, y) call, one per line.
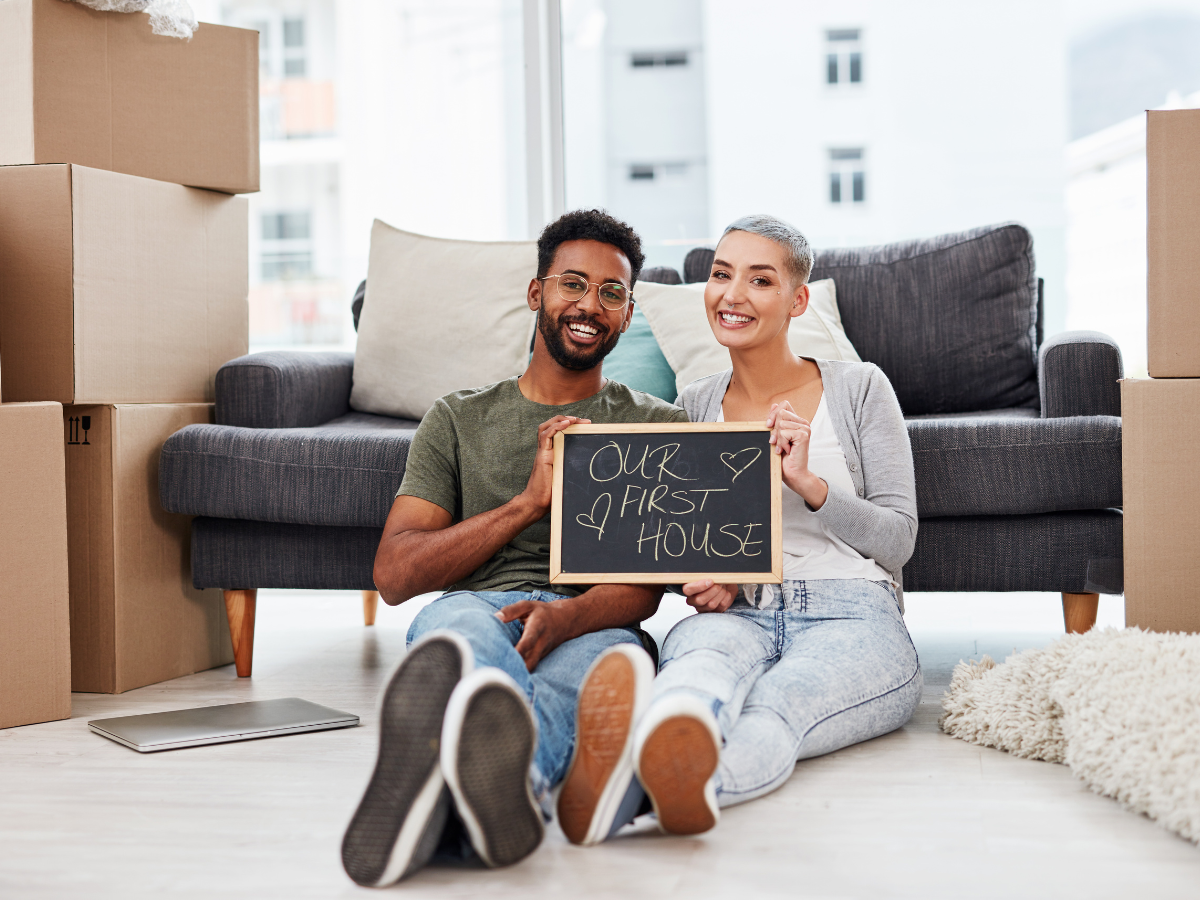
point(36, 277)
point(35, 664)
point(100, 89)
point(155, 265)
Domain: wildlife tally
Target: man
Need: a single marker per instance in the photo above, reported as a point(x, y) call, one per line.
point(478, 721)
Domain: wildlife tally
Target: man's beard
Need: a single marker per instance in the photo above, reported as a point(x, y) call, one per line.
point(563, 353)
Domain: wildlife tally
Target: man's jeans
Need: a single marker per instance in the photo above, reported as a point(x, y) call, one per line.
point(552, 688)
point(827, 664)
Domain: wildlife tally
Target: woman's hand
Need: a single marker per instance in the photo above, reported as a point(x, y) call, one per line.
point(790, 434)
point(708, 597)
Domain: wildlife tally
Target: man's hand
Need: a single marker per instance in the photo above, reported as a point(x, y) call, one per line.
point(708, 597)
point(540, 489)
point(547, 624)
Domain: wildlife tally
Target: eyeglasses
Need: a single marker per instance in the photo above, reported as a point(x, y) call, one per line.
point(573, 288)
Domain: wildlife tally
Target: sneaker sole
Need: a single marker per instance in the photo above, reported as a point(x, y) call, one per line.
point(489, 746)
point(398, 823)
point(602, 765)
point(677, 760)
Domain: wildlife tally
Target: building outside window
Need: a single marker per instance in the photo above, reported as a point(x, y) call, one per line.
point(847, 180)
point(665, 60)
point(293, 48)
point(843, 56)
point(286, 246)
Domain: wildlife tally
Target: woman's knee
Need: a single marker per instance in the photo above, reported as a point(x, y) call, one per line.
point(860, 722)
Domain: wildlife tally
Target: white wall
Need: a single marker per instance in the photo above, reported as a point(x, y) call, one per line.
point(962, 113)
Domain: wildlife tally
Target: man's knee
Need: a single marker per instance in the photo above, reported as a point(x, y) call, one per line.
point(463, 612)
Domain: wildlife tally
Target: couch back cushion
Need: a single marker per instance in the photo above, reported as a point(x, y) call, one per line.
point(950, 319)
point(439, 316)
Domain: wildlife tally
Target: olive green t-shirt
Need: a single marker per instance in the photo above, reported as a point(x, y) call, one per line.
point(474, 452)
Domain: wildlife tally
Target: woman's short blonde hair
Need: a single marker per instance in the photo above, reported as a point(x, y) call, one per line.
point(798, 255)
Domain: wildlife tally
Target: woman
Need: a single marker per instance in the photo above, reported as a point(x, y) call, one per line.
point(769, 674)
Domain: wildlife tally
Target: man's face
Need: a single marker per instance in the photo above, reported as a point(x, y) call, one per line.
point(579, 335)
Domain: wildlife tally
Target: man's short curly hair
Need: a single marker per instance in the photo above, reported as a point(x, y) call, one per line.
point(590, 225)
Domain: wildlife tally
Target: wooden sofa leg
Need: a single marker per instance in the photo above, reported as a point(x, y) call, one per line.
point(239, 607)
point(370, 604)
point(1079, 612)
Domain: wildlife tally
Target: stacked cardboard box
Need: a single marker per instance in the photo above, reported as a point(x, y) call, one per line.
point(1161, 415)
point(123, 285)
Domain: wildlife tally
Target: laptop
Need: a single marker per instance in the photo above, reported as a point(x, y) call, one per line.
point(220, 724)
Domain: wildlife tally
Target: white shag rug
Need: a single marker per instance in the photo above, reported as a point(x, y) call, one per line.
point(1121, 707)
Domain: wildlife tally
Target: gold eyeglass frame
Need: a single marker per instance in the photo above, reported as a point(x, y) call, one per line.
point(628, 298)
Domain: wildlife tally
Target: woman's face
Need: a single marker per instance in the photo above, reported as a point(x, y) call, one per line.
point(749, 298)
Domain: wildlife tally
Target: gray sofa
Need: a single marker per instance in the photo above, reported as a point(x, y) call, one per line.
point(1016, 441)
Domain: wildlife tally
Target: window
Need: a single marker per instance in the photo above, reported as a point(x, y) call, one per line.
point(847, 180)
point(651, 171)
point(287, 246)
point(843, 56)
point(293, 48)
point(656, 60)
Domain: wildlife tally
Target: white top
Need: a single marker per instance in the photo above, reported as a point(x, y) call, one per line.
point(810, 550)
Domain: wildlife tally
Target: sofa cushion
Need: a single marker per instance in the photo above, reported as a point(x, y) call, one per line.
point(439, 316)
point(344, 472)
point(638, 361)
point(1009, 462)
point(951, 320)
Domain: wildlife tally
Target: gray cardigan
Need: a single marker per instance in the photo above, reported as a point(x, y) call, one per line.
point(881, 521)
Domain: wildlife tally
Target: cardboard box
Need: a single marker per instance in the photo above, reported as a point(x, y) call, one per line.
point(1173, 242)
point(135, 617)
point(102, 90)
point(35, 644)
point(115, 288)
point(1160, 440)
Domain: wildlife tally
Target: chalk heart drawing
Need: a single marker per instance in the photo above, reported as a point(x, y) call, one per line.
point(734, 460)
point(589, 521)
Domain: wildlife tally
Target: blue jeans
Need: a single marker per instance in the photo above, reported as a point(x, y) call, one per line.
point(552, 688)
point(827, 664)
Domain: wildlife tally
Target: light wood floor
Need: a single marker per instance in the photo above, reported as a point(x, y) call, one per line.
point(912, 814)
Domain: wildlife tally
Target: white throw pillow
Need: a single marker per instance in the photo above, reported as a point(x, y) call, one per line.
point(439, 316)
point(680, 325)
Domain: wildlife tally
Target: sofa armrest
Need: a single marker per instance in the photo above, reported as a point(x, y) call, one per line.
point(1078, 375)
point(284, 389)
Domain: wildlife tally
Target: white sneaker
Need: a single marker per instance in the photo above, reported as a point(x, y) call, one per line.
point(677, 748)
point(396, 828)
point(614, 694)
point(488, 741)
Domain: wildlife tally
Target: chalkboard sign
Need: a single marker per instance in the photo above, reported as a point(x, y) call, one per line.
point(666, 504)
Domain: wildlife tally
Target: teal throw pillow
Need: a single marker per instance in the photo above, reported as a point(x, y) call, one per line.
point(637, 361)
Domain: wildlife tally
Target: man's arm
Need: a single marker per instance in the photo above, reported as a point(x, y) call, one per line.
point(421, 551)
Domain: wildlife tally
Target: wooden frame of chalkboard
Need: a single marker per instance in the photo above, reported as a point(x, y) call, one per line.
point(726, 462)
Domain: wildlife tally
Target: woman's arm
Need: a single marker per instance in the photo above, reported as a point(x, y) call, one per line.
point(882, 524)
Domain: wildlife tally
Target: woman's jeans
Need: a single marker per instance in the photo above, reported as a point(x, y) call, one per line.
point(827, 664)
point(552, 688)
